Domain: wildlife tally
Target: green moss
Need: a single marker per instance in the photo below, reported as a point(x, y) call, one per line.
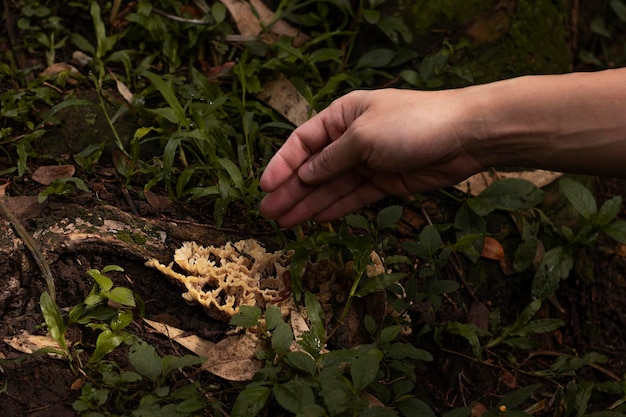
point(136, 238)
point(529, 38)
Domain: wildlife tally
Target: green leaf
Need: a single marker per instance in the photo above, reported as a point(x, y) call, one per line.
point(459, 412)
point(471, 333)
point(248, 317)
point(413, 407)
point(507, 194)
point(369, 285)
point(273, 317)
point(282, 336)
point(106, 342)
point(619, 8)
point(122, 295)
point(294, 394)
point(389, 334)
point(233, 172)
point(376, 58)
point(555, 267)
point(169, 96)
point(250, 401)
point(110, 268)
point(388, 217)
point(579, 196)
point(364, 369)
point(358, 221)
point(616, 230)
point(430, 239)
point(103, 281)
point(53, 319)
point(538, 326)
point(301, 361)
point(609, 210)
point(146, 360)
point(525, 255)
point(517, 397)
point(377, 411)
point(121, 320)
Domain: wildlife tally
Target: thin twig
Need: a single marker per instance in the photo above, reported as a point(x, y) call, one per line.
point(181, 19)
point(32, 247)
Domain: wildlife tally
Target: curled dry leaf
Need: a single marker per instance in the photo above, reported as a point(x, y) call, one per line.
point(492, 249)
point(24, 207)
point(234, 358)
point(194, 343)
point(48, 173)
point(58, 67)
point(30, 343)
point(122, 89)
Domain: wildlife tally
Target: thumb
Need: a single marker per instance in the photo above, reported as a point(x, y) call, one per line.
point(336, 158)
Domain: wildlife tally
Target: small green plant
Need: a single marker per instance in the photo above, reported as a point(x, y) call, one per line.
point(310, 381)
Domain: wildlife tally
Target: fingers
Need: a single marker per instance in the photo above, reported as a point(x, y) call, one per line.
point(305, 142)
point(296, 202)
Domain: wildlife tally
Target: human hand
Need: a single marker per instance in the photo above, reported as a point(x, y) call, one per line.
point(365, 146)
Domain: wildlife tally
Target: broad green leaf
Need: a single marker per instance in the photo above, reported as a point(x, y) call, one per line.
point(358, 221)
point(525, 255)
point(388, 217)
point(171, 362)
point(53, 319)
point(248, 317)
point(282, 337)
point(413, 407)
point(121, 320)
point(273, 317)
point(459, 412)
point(103, 281)
point(507, 194)
point(335, 392)
point(389, 334)
point(609, 210)
point(146, 360)
point(376, 58)
point(517, 397)
point(250, 401)
point(364, 369)
point(106, 342)
point(190, 405)
point(579, 196)
point(294, 394)
point(616, 230)
point(555, 267)
point(430, 239)
point(301, 361)
point(471, 333)
point(122, 295)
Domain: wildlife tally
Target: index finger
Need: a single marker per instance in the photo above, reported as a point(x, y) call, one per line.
point(304, 142)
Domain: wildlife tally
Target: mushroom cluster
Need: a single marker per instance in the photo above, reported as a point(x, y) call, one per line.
point(222, 279)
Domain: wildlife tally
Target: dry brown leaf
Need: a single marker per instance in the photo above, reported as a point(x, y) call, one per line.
point(81, 58)
point(24, 207)
point(234, 358)
point(281, 95)
point(508, 379)
point(58, 67)
point(194, 343)
point(156, 201)
point(478, 315)
point(492, 249)
point(48, 173)
point(122, 89)
point(249, 24)
point(478, 410)
point(476, 184)
point(30, 343)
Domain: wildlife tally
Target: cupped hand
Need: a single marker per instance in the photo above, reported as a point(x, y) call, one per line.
point(365, 146)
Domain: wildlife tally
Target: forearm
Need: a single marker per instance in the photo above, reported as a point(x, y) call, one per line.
point(572, 123)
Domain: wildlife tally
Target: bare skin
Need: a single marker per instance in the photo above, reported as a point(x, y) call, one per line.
point(370, 144)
